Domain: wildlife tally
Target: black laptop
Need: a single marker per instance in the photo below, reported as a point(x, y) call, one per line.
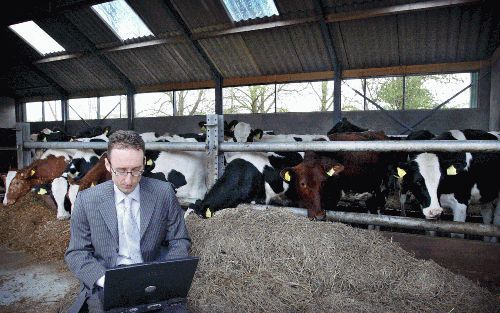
point(148, 287)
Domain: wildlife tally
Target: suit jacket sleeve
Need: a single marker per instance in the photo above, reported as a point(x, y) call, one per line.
point(177, 242)
point(80, 253)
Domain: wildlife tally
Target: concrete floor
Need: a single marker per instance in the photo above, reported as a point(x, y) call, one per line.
point(27, 285)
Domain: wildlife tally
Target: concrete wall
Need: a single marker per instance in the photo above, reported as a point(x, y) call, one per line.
point(7, 112)
point(494, 121)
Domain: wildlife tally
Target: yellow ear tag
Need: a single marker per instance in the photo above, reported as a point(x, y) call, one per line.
point(287, 176)
point(149, 162)
point(203, 129)
point(451, 170)
point(208, 213)
point(401, 172)
point(330, 172)
point(92, 185)
point(42, 191)
point(106, 132)
point(32, 172)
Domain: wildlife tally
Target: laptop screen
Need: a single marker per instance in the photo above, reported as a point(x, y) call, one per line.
point(145, 283)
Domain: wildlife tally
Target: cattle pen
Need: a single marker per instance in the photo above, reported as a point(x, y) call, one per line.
point(455, 256)
point(326, 155)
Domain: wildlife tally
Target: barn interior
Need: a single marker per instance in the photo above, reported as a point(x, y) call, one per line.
point(199, 45)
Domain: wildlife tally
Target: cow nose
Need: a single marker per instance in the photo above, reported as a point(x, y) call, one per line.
point(432, 213)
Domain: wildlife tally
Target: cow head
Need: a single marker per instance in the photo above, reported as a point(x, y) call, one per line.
point(243, 132)
point(422, 176)
point(308, 179)
point(20, 185)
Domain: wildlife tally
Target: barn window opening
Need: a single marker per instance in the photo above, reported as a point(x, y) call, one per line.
point(154, 104)
point(37, 38)
point(194, 102)
point(411, 92)
point(241, 10)
point(122, 20)
point(43, 111)
point(97, 108)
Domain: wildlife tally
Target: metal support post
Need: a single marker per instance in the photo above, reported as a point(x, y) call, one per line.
point(23, 155)
point(215, 158)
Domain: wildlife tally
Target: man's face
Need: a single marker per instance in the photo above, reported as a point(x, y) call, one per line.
point(125, 160)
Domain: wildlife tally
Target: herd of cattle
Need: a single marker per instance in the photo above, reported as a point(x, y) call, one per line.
point(312, 180)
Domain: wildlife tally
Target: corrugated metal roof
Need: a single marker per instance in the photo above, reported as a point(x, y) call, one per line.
point(93, 27)
point(203, 15)
point(82, 74)
point(158, 20)
point(460, 33)
point(159, 64)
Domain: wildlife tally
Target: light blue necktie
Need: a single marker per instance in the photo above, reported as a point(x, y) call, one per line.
point(132, 232)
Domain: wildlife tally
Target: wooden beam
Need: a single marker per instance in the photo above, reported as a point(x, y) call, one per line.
point(476, 260)
point(324, 75)
point(417, 69)
point(396, 9)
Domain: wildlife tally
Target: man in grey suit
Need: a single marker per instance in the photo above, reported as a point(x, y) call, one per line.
point(131, 219)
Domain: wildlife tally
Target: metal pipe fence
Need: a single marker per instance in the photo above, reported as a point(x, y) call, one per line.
point(323, 146)
point(395, 221)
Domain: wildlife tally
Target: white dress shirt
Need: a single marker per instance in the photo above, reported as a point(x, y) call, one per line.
point(124, 249)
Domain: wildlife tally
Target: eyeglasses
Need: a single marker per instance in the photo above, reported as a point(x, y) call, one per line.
point(135, 173)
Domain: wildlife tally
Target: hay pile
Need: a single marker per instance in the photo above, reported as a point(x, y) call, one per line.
point(31, 225)
point(273, 261)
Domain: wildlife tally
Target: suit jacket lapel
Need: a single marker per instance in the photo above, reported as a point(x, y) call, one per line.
point(108, 210)
point(147, 205)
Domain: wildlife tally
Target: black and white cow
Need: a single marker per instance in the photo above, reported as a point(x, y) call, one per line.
point(185, 170)
point(454, 180)
point(251, 176)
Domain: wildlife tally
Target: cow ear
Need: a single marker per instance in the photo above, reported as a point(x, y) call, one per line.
point(106, 131)
point(287, 174)
point(451, 170)
point(335, 169)
point(232, 125)
point(257, 134)
point(202, 126)
point(400, 170)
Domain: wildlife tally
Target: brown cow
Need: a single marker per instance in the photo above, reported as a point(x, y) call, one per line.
point(40, 172)
point(317, 183)
point(96, 175)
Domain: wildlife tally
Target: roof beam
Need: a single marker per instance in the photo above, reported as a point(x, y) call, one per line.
point(395, 9)
point(256, 27)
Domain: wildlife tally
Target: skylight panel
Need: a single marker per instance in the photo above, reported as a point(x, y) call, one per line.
point(250, 9)
point(36, 37)
point(122, 19)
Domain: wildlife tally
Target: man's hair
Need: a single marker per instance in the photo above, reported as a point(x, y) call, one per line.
point(125, 139)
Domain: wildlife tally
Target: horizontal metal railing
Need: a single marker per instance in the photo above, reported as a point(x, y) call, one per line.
point(376, 145)
point(395, 221)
